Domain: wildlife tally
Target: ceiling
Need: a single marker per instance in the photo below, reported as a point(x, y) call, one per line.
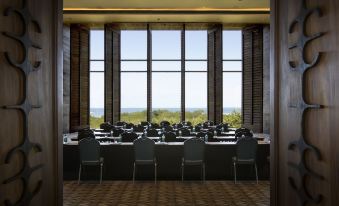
point(220, 11)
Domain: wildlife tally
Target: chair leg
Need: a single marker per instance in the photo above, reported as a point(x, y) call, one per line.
point(256, 171)
point(133, 172)
point(204, 172)
point(101, 173)
point(155, 173)
point(182, 172)
point(235, 172)
point(79, 174)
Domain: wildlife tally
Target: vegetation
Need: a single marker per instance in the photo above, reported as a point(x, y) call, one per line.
point(233, 119)
point(198, 116)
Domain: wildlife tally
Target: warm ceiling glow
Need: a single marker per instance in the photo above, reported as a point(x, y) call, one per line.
point(168, 9)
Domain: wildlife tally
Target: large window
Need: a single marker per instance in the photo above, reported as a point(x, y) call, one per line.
point(232, 77)
point(133, 76)
point(169, 78)
point(196, 76)
point(166, 75)
point(97, 78)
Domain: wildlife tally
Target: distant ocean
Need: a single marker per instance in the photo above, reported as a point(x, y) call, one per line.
point(98, 112)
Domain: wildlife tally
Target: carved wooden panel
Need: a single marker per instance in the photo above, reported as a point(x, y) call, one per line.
point(26, 67)
point(300, 104)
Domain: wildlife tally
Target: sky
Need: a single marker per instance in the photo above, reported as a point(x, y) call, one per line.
point(166, 87)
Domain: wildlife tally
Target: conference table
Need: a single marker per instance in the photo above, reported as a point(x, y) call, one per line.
point(119, 158)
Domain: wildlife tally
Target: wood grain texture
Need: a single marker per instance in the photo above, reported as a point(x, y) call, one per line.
point(108, 73)
point(321, 83)
point(214, 75)
point(252, 101)
point(44, 87)
point(66, 77)
point(79, 92)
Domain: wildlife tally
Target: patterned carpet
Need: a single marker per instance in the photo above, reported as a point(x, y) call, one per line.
point(125, 193)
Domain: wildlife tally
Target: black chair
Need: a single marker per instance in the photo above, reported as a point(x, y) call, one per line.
point(128, 137)
point(194, 154)
point(178, 126)
point(152, 133)
point(246, 152)
point(117, 132)
point(165, 123)
point(243, 132)
point(170, 137)
point(144, 124)
point(186, 123)
point(89, 150)
point(144, 155)
point(184, 132)
point(155, 126)
point(168, 129)
point(120, 123)
point(197, 128)
point(138, 128)
point(129, 125)
point(85, 133)
point(106, 126)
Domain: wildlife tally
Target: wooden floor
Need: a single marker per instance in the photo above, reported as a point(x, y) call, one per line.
point(125, 193)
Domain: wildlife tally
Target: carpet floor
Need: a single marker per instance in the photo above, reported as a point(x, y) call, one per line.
point(141, 193)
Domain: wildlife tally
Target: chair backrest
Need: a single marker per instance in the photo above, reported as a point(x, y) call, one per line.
point(85, 133)
point(170, 137)
point(164, 123)
point(247, 148)
point(184, 132)
point(144, 123)
point(197, 128)
point(106, 126)
point(168, 128)
point(89, 149)
point(194, 149)
point(143, 149)
point(128, 137)
point(242, 129)
point(152, 133)
point(129, 125)
point(117, 132)
point(155, 125)
point(138, 128)
point(120, 123)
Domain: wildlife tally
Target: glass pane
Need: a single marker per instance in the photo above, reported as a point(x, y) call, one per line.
point(232, 65)
point(97, 45)
point(97, 99)
point(97, 66)
point(133, 65)
point(166, 99)
point(134, 97)
point(232, 93)
point(166, 44)
point(196, 66)
point(232, 44)
point(166, 65)
point(196, 97)
point(134, 44)
point(196, 44)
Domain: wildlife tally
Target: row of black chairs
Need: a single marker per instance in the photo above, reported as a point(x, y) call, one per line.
point(107, 126)
point(194, 153)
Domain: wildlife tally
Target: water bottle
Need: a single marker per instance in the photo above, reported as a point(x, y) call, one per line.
point(163, 138)
point(206, 138)
point(215, 133)
point(180, 133)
